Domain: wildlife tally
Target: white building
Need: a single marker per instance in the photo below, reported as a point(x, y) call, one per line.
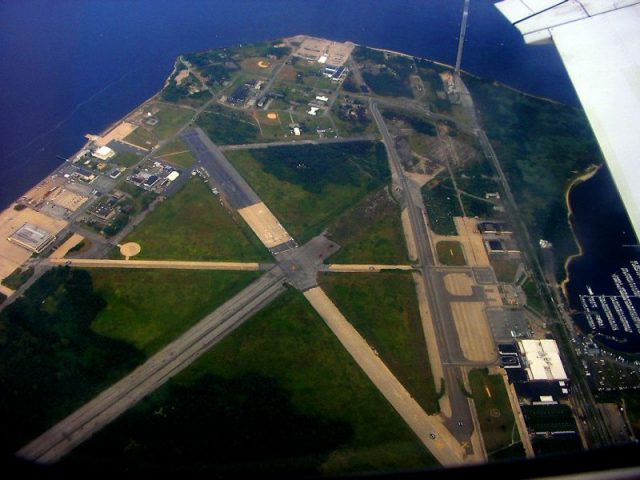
point(104, 153)
point(542, 360)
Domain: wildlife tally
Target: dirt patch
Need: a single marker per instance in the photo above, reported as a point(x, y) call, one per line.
point(473, 331)
point(63, 249)
point(181, 76)
point(119, 132)
point(273, 117)
point(130, 249)
point(265, 225)
point(459, 284)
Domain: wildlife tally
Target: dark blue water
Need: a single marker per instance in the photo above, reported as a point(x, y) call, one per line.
point(68, 67)
point(603, 229)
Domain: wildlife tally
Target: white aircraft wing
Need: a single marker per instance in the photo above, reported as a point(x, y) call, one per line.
point(599, 43)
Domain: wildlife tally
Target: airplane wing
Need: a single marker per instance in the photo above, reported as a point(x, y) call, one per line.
point(599, 43)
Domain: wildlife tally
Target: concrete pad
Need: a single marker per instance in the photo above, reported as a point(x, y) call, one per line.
point(459, 284)
point(11, 255)
point(265, 225)
point(433, 349)
point(69, 200)
point(63, 249)
point(408, 236)
point(471, 238)
point(475, 337)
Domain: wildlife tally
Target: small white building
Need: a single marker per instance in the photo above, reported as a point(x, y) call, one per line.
point(313, 111)
point(173, 175)
point(103, 153)
point(296, 131)
point(322, 98)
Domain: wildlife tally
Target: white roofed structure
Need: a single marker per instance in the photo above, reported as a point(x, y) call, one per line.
point(598, 41)
point(542, 360)
point(104, 153)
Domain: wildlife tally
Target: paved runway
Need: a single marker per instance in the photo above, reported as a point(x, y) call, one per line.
point(233, 187)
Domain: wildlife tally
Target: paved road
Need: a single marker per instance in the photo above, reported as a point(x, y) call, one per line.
point(232, 186)
point(94, 415)
point(439, 308)
point(171, 264)
point(429, 429)
point(364, 268)
point(292, 143)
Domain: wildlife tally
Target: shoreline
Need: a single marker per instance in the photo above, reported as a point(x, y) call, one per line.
point(589, 173)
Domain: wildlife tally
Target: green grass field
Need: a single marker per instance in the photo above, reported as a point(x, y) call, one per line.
point(534, 300)
point(176, 153)
point(150, 308)
point(308, 186)
point(383, 307)
point(228, 127)
point(504, 269)
point(170, 120)
point(370, 232)
point(450, 253)
point(280, 395)
point(496, 419)
point(192, 225)
point(142, 137)
point(126, 159)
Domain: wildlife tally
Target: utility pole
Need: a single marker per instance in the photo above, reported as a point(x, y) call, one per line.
point(463, 30)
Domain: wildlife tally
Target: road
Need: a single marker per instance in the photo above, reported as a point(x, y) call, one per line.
point(429, 429)
point(94, 415)
point(320, 141)
point(165, 264)
point(463, 31)
point(440, 312)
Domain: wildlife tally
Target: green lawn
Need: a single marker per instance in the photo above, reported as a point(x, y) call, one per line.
point(170, 120)
point(496, 418)
point(370, 232)
point(280, 395)
point(504, 269)
point(450, 253)
point(126, 159)
point(192, 225)
point(308, 186)
point(176, 153)
point(534, 300)
point(142, 137)
point(228, 127)
point(383, 307)
point(150, 308)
